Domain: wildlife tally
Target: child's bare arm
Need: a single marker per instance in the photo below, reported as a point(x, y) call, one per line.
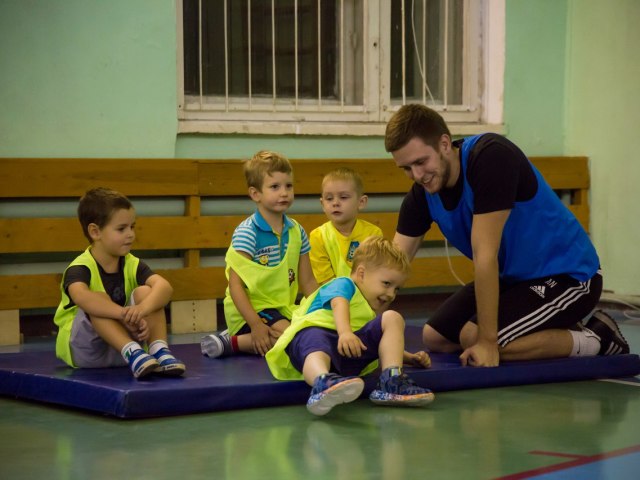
point(95, 304)
point(159, 296)
point(306, 280)
point(349, 344)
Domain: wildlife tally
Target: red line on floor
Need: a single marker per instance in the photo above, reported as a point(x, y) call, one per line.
point(557, 454)
point(570, 464)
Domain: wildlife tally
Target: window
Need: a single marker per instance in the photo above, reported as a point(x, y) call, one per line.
point(310, 66)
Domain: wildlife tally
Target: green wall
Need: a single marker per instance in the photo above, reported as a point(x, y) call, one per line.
point(94, 78)
point(603, 122)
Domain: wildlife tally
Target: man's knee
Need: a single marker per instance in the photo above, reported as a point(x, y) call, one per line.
point(435, 342)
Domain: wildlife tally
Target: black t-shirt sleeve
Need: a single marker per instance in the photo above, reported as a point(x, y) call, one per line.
point(143, 273)
point(414, 219)
point(499, 175)
point(76, 273)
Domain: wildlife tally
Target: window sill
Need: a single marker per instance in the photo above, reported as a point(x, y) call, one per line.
point(316, 128)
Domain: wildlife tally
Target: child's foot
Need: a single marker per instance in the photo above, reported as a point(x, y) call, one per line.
point(611, 340)
point(141, 363)
point(396, 388)
point(330, 390)
point(216, 345)
point(168, 364)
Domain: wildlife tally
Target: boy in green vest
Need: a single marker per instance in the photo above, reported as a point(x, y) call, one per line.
point(344, 330)
point(267, 260)
point(333, 244)
point(112, 302)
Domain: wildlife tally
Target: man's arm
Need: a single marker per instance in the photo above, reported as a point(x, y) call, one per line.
point(486, 235)
point(409, 245)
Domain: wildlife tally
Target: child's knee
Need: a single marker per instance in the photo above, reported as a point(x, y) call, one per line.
point(391, 318)
point(140, 293)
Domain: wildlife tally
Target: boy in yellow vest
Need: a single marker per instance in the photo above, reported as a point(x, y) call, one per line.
point(333, 244)
point(112, 302)
point(344, 330)
point(267, 260)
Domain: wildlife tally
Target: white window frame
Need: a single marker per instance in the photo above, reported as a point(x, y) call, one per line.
point(371, 118)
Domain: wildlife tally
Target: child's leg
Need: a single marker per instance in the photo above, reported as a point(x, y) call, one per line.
point(311, 351)
point(158, 346)
point(395, 387)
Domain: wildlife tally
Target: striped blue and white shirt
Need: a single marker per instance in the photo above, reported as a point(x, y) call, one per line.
point(255, 237)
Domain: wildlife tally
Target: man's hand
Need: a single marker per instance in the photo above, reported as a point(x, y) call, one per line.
point(482, 354)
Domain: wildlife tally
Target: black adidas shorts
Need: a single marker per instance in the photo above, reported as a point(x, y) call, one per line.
point(524, 308)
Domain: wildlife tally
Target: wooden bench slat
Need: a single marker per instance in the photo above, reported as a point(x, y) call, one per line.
point(50, 178)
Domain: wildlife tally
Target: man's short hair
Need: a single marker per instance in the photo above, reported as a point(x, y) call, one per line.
point(412, 121)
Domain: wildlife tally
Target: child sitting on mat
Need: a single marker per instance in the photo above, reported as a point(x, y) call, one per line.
point(342, 330)
point(267, 260)
point(112, 302)
point(333, 243)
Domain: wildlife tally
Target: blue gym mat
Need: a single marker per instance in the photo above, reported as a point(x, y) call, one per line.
point(245, 382)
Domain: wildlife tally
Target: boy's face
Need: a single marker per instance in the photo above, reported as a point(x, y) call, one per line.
point(276, 195)
point(379, 285)
point(117, 236)
point(340, 201)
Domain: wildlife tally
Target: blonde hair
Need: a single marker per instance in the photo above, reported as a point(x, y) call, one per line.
point(262, 164)
point(376, 252)
point(347, 175)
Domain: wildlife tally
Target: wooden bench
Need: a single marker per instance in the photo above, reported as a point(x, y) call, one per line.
point(192, 233)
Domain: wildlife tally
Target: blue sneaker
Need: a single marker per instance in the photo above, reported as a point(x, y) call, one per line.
point(168, 364)
point(330, 390)
point(141, 363)
point(396, 388)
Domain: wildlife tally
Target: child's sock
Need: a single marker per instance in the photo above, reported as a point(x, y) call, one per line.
point(585, 343)
point(155, 346)
point(129, 349)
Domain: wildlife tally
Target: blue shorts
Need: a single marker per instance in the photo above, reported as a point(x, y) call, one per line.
point(269, 316)
point(317, 339)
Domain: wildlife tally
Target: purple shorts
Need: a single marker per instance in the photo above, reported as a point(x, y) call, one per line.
point(317, 339)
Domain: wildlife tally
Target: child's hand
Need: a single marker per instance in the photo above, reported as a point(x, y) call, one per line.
point(261, 339)
point(142, 331)
point(349, 345)
point(419, 359)
point(133, 314)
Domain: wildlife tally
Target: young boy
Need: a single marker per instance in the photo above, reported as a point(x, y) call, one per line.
point(333, 244)
point(267, 260)
point(342, 330)
point(112, 302)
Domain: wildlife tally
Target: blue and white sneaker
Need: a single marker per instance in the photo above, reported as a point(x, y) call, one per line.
point(330, 390)
point(396, 388)
point(168, 364)
point(141, 363)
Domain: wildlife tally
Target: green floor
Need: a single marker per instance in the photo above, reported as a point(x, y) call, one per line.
point(471, 434)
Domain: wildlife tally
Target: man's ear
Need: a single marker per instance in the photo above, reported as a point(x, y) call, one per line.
point(363, 202)
point(94, 231)
point(445, 143)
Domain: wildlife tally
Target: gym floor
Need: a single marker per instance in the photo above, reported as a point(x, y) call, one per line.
point(551, 431)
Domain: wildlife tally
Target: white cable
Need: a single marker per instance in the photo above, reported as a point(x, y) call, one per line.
point(415, 46)
point(446, 249)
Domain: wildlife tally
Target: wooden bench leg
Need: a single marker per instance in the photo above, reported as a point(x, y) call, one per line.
point(194, 316)
point(9, 327)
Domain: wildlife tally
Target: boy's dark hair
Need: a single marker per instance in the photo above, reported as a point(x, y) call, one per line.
point(376, 252)
point(98, 206)
point(262, 164)
point(412, 121)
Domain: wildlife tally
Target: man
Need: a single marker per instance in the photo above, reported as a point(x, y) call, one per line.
point(536, 271)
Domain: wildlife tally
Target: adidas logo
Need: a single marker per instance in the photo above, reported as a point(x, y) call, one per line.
point(538, 289)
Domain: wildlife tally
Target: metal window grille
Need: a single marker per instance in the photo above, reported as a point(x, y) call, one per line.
point(328, 60)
